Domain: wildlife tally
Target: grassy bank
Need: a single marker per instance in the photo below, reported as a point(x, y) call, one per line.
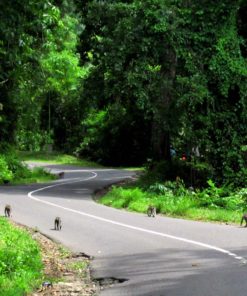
point(173, 199)
point(20, 261)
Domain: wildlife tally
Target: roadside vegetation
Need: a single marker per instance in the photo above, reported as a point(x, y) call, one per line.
point(15, 171)
point(20, 261)
point(14, 168)
point(177, 199)
point(27, 259)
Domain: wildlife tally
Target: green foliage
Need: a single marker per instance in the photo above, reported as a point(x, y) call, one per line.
point(14, 171)
point(220, 197)
point(216, 215)
point(20, 261)
point(18, 169)
point(59, 62)
point(113, 137)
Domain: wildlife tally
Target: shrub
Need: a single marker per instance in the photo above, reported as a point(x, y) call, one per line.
point(159, 188)
point(18, 169)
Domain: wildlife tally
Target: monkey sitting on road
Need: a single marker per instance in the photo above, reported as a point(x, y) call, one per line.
point(57, 223)
point(244, 218)
point(7, 211)
point(151, 211)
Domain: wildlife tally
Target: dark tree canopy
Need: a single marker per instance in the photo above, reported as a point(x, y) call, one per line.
point(121, 82)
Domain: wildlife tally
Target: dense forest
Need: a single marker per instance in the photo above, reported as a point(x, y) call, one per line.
point(155, 82)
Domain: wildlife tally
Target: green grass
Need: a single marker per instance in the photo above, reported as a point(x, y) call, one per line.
point(55, 158)
point(186, 205)
point(20, 261)
point(215, 215)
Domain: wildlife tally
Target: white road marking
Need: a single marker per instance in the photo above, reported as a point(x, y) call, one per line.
point(75, 180)
point(238, 257)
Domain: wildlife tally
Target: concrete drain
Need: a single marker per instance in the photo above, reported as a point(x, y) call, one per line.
point(108, 282)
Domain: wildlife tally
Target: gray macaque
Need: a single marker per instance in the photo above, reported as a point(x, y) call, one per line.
point(151, 211)
point(244, 218)
point(57, 223)
point(7, 211)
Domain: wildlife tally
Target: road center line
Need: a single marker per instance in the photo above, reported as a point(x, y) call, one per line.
point(76, 180)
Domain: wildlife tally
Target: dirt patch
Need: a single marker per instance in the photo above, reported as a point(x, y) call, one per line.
point(65, 273)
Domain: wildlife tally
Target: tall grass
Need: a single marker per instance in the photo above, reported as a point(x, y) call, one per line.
point(20, 261)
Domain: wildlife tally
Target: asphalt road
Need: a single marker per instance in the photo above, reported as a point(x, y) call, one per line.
point(150, 256)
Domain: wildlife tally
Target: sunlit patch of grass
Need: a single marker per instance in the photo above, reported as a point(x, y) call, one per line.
point(55, 158)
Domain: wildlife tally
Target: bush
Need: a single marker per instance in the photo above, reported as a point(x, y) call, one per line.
point(18, 169)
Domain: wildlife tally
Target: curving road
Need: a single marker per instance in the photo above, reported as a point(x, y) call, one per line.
point(151, 256)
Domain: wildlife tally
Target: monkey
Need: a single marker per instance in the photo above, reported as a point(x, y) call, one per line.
point(7, 211)
point(61, 175)
point(57, 223)
point(244, 218)
point(151, 211)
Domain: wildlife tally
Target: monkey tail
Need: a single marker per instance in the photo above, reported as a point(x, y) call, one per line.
point(242, 220)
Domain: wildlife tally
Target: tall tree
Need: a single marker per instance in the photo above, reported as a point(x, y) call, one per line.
point(181, 63)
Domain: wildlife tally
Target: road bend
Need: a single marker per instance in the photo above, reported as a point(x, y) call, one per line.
point(147, 256)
